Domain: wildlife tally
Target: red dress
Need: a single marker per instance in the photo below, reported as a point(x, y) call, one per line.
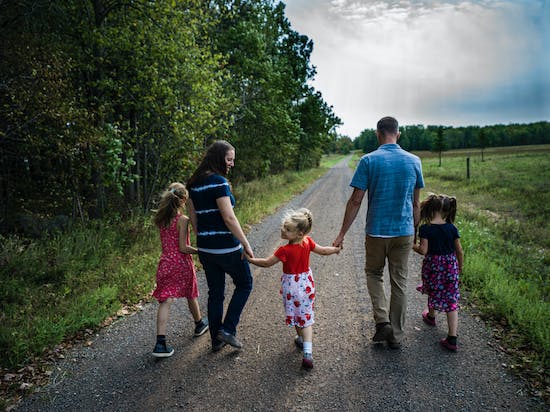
point(176, 276)
point(297, 284)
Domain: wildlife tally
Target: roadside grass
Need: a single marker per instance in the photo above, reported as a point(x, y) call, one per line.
point(503, 213)
point(58, 285)
point(55, 287)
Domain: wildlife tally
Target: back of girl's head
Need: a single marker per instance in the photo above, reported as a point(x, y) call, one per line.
point(171, 200)
point(300, 220)
point(443, 204)
point(213, 161)
point(448, 208)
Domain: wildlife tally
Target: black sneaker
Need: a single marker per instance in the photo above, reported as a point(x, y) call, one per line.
point(383, 332)
point(162, 350)
point(229, 339)
point(201, 327)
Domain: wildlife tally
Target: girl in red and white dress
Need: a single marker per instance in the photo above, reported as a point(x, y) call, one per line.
point(297, 284)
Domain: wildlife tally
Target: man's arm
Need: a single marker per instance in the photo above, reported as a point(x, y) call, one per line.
point(352, 208)
point(416, 208)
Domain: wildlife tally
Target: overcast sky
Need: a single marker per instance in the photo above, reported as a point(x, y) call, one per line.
point(447, 62)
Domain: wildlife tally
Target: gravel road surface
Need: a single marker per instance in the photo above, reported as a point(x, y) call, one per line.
point(117, 372)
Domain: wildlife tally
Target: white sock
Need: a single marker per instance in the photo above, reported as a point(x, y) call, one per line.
point(308, 348)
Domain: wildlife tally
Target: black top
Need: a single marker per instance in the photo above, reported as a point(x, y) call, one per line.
point(441, 238)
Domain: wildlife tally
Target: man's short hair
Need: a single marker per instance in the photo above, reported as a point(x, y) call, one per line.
point(387, 125)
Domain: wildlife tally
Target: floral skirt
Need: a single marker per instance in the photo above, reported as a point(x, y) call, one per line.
point(298, 291)
point(440, 282)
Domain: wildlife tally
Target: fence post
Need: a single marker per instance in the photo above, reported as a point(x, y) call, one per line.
point(467, 167)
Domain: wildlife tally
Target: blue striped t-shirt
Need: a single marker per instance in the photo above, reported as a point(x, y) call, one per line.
point(212, 233)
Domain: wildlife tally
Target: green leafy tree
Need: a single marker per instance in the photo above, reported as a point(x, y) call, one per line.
point(439, 144)
point(482, 142)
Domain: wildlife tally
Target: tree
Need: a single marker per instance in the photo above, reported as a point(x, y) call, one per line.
point(482, 138)
point(439, 144)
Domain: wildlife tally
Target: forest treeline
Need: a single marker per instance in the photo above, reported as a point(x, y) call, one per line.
point(103, 101)
point(440, 138)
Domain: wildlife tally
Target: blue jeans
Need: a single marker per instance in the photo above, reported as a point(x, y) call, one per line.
point(215, 268)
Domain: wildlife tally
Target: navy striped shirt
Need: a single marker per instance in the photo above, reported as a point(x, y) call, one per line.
point(212, 233)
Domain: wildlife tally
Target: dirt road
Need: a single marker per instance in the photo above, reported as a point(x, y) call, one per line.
point(118, 373)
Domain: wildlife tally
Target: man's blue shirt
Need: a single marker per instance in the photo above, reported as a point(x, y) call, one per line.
point(389, 175)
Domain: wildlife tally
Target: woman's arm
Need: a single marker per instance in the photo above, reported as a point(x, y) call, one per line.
point(232, 223)
point(327, 250)
point(183, 227)
point(422, 248)
point(264, 262)
point(192, 214)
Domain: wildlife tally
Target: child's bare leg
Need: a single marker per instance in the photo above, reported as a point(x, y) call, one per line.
point(452, 322)
point(307, 333)
point(298, 331)
point(194, 308)
point(162, 316)
point(431, 312)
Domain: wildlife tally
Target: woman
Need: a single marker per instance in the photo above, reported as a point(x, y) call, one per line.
point(221, 241)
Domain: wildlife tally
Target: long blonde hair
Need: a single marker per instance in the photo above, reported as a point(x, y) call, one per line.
point(171, 201)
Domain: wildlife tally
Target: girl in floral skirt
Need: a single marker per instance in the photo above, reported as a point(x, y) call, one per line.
point(297, 284)
point(443, 259)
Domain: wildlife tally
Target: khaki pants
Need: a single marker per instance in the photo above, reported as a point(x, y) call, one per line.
point(396, 250)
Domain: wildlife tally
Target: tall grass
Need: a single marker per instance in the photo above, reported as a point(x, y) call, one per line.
point(503, 217)
point(55, 286)
point(63, 283)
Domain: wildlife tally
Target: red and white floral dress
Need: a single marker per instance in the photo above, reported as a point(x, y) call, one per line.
point(176, 276)
point(297, 284)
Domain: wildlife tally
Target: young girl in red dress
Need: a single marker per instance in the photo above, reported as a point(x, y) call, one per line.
point(297, 284)
point(176, 276)
point(443, 259)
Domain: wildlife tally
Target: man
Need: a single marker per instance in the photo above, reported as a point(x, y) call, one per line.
point(393, 179)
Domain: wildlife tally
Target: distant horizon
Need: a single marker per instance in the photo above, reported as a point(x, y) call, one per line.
point(457, 63)
point(455, 127)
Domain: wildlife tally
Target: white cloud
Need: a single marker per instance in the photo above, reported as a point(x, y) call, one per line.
point(409, 58)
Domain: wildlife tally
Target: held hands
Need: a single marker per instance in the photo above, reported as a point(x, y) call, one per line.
point(247, 252)
point(338, 242)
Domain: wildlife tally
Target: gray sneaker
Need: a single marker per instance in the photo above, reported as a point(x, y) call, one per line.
point(383, 332)
point(229, 339)
point(218, 346)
